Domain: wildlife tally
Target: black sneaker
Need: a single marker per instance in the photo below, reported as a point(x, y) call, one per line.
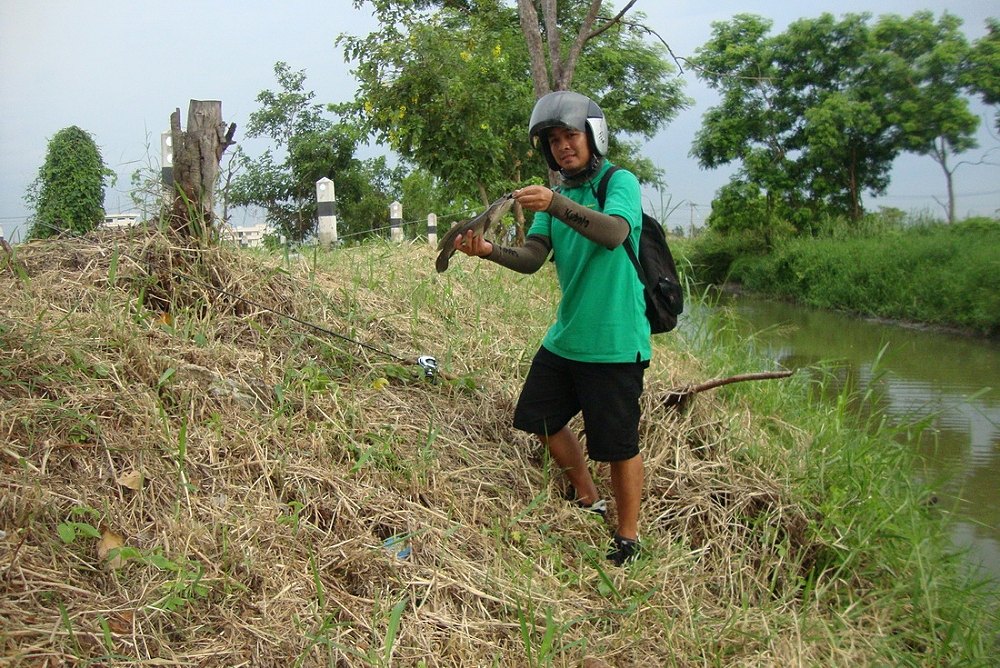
point(599, 507)
point(623, 550)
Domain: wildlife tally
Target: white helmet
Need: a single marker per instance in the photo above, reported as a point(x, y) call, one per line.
point(566, 109)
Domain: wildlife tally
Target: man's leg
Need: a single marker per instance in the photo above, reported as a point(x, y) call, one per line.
point(567, 452)
point(627, 479)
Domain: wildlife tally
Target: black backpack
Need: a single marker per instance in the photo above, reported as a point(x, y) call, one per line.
point(656, 268)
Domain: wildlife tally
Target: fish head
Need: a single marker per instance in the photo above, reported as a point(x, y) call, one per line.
point(497, 210)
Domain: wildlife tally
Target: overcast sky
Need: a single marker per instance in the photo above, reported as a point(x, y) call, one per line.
point(118, 68)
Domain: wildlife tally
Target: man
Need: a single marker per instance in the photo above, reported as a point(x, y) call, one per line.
point(594, 356)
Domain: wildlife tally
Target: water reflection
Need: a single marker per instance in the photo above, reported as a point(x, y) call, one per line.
point(949, 379)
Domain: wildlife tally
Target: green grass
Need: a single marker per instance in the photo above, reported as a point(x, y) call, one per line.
point(869, 514)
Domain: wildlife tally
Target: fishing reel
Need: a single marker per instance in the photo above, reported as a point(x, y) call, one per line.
point(429, 365)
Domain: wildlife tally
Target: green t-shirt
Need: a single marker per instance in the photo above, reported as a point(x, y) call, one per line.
point(602, 313)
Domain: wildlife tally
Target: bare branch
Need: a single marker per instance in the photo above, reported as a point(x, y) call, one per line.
point(616, 19)
point(678, 60)
point(681, 396)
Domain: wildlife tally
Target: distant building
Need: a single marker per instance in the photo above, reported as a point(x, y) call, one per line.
point(251, 236)
point(117, 221)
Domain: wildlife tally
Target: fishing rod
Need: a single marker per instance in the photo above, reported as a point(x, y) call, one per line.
point(427, 363)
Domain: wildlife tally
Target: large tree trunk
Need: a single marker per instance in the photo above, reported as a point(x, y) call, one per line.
point(196, 155)
point(556, 72)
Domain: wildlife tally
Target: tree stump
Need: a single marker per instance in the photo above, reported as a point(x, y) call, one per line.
point(196, 155)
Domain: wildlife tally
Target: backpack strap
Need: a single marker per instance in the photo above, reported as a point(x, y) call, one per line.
point(602, 187)
point(602, 193)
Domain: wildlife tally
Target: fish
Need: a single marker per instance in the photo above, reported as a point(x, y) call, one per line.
point(480, 224)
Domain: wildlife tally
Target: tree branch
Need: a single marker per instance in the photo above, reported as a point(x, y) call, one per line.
point(528, 18)
point(617, 19)
point(682, 396)
point(569, 66)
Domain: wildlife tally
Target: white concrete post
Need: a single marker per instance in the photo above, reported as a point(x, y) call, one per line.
point(326, 208)
point(396, 222)
point(167, 165)
point(432, 229)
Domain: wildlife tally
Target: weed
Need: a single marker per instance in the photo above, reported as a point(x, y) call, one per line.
point(391, 632)
point(186, 584)
point(294, 516)
point(70, 530)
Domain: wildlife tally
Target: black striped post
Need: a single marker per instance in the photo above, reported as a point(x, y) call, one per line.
point(396, 222)
point(167, 165)
point(432, 229)
point(326, 209)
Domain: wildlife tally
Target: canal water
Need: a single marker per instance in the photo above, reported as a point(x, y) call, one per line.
point(950, 379)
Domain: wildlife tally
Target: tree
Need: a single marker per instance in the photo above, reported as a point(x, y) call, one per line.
point(982, 77)
point(802, 112)
point(450, 85)
point(815, 116)
point(606, 56)
point(197, 150)
point(423, 194)
point(446, 91)
point(741, 207)
point(636, 86)
point(845, 141)
point(68, 193)
point(313, 146)
point(553, 69)
point(749, 126)
point(928, 61)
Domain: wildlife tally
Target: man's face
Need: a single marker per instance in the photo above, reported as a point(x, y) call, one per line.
point(569, 148)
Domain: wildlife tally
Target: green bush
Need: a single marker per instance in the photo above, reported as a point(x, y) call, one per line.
point(68, 193)
point(936, 273)
point(711, 257)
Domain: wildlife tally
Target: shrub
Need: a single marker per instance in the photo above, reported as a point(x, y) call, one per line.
point(937, 274)
point(711, 257)
point(68, 193)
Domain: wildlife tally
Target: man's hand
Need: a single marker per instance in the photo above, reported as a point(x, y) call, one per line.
point(534, 198)
point(473, 244)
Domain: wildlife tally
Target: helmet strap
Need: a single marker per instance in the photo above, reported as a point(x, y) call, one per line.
point(584, 175)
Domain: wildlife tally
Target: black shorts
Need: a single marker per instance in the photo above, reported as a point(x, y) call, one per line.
point(556, 389)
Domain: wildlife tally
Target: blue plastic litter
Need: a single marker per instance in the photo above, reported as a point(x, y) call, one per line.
point(398, 547)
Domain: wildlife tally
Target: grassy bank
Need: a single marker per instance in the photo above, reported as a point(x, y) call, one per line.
point(937, 274)
point(190, 477)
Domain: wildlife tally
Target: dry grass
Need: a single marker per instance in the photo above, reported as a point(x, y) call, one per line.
point(276, 460)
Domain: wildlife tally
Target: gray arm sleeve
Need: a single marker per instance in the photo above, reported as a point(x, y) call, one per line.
point(609, 231)
point(527, 259)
